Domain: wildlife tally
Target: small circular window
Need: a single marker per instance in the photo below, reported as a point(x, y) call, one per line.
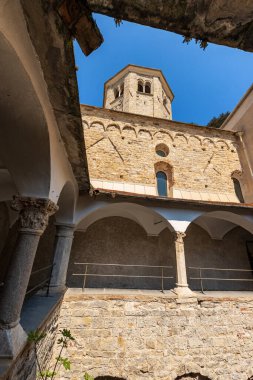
point(162, 150)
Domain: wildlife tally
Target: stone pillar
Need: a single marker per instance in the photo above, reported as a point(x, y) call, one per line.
point(33, 218)
point(63, 242)
point(182, 288)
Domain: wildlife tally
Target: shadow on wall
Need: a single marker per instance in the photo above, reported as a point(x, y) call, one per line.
point(117, 240)
point(189, 376)
point(229, 253)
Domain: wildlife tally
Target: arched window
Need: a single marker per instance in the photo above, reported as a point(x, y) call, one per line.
point(147, 88)
point(140, 86)
point(162, 184)
point(116, 93)
point(238, 190)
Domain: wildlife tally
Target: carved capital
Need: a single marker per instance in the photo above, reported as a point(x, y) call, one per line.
point(33, 213)
point(179, 236)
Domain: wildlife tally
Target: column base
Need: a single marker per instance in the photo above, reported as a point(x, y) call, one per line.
point(12, 341)
point(56, 289)
point(183, 291)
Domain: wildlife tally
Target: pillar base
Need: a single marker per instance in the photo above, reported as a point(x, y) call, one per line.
point(183, 291)
point(56, 289)
point(12, 341)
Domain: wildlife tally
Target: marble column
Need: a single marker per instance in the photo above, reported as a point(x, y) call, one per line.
point(182, 288)
point(33, 219)
point(63, 242)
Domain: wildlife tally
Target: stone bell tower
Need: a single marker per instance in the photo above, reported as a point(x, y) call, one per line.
point(139, 90)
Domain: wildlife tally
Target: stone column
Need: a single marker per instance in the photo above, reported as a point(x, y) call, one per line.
point(33, 218)
point(63, 242)
point(182, 288)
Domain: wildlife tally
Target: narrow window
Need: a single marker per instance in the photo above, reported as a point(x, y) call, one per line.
point(238, 190)
point(140, 86)
point(122, 89)
point(161, 180)
point(116, 93)
point(147, 88)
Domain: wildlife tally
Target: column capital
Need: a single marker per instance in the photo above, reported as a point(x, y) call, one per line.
point(33, 213)
point(179, 236)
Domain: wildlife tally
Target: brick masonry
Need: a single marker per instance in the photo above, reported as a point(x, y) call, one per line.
point(159, 337)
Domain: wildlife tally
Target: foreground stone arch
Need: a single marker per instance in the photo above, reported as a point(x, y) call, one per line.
point(191, 375)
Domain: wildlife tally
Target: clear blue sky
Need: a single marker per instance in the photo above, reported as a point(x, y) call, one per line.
point(205, 83)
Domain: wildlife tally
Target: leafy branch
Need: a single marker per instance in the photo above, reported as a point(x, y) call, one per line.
point(118, 21)
point(203, 43)
point(36, 337)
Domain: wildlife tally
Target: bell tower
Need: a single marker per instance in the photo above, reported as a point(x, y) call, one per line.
point(139, 90)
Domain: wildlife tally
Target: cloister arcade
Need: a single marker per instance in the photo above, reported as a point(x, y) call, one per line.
point(47, 219)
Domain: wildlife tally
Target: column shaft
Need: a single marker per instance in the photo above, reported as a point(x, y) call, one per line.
point(182, 288)
point(33, 219)
point(17, 279)
point(63, 243)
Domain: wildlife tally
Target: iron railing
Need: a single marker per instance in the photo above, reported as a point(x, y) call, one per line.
point(87, 274)
point(44, 283)
point(201, 278)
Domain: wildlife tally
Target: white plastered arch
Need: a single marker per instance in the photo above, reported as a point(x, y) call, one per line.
point(151, 221)
point(218, 223)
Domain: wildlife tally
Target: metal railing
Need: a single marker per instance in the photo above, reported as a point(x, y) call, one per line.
point(201, 278)
point(44, 283)
point(86, 274)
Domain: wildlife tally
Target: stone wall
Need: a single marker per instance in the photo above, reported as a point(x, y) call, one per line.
point(121, 148)
point(117, 240)
point(122, 241)
point(159, 337)
point(230, 252)
point(24, 367)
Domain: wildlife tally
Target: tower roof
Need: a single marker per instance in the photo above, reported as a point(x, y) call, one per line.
point(144, 71)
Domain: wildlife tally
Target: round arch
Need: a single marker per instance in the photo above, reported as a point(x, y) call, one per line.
point(218, 223)
point(24, 137)
point(67, 203)
point(151, 221)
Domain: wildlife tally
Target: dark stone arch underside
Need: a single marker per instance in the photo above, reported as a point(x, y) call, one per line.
point(191, 375)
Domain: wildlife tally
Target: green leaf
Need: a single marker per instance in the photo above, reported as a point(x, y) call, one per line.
point(67, 334)
point(35, 336)
point(65, 362)
point(88, 377)
point(46, 374)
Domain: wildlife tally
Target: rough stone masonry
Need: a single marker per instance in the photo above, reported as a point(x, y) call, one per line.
point(159, 337)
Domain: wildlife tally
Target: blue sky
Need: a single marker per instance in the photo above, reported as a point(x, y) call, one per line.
point(205, 83)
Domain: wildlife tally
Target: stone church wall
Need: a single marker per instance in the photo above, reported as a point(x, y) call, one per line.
point(121, 148)
point(158, 337)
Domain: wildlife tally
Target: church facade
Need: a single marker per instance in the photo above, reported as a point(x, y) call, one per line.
point(155, 182)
